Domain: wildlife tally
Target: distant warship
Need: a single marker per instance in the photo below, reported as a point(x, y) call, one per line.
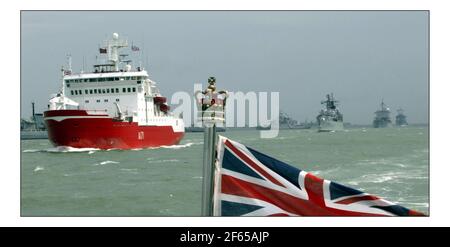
point(400, 119)
point(382, 117)
point(330, 118)
point(34, 128)
point(286, 122)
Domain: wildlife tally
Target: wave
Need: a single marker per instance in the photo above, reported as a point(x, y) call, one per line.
point(67, 149)
point(106, 162)
point(163, 161)
point(182, 145)
point(38, 168)
point(62, 149)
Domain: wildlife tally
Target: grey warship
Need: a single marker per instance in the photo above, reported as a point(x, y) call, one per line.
point(400, 119)
point(286, 122)
point(382, 117)
point(34, 128)
point(330, 118)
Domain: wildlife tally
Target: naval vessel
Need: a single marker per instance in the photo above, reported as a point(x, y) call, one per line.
point(330, 118)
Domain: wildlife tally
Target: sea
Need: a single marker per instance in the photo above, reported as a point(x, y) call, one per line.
point(392, 163)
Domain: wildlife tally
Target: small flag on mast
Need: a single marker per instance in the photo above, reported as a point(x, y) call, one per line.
point(134, 48)
point(103, 50)
point(249, 183)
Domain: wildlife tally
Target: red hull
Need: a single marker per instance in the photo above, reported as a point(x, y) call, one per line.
point(75, 128)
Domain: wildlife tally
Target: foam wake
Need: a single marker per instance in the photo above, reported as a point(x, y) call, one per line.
point(62, 149)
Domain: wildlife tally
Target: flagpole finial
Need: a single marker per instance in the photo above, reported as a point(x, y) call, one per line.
point(211, 104)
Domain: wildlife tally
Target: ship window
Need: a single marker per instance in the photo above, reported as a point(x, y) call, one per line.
point(86, 101)
point(103, 91)
point(124, 90)
point(98, 101)
point(133, 78)
point(138, 82)
point(68, 85)
point(127, 78)
point(86, 91)
point(106, 100)
point(85, 80)
point(80, 92)
point(95, 91)
point(93, 80)
point(107, 90)
point(117, 100)
point(101, 79)
point(110, 79)
point(134, 90)
point(76, 92)
point(117, 90)
point(129, 89)
point(71, 92)
point(90, 91)
point(116, 78)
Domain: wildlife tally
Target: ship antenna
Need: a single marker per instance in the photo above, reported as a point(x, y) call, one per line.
point(113, 46)
point(69, 61)
point(82, 68)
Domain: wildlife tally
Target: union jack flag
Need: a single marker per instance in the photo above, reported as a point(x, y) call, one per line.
point(249, 183)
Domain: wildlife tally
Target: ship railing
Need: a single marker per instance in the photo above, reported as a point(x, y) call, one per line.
point(94, 112)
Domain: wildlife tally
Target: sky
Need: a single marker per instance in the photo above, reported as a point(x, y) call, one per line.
point(360, 56)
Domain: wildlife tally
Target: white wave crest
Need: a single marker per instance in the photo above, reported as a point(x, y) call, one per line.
point(182, 145)
point(163, 161)
point(38, 168)
point(62, 149)
point(106, 162)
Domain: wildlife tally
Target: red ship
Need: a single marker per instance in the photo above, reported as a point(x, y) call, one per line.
point(113, 107)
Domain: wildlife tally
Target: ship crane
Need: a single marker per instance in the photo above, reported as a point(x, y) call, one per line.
point(119, 112)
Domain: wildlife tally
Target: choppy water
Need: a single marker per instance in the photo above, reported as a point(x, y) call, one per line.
point(391, 163)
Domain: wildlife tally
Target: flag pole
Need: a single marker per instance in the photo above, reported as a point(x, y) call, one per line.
point(209, 151)
point(212, 111)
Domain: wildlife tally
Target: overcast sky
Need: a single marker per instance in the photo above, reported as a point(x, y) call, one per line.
point(360, 56)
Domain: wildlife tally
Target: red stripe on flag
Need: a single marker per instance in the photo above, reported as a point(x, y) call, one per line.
point(357, 199)
point(234, 186)
point(250, 162)
point(314, 187)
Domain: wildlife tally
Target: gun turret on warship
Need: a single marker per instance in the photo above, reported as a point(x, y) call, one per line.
point(382, 117)
point(400, 119)
point(330, 118)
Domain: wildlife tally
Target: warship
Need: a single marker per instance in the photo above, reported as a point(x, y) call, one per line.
point(33, 128)
point(286, 122)
point(330, 118)
point(400, 119)
point(382, 117)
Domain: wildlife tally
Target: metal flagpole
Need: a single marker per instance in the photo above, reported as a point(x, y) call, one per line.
point(209, 151)
point(212, 111)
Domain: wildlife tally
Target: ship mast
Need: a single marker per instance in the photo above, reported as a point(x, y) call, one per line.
point(113, 47)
